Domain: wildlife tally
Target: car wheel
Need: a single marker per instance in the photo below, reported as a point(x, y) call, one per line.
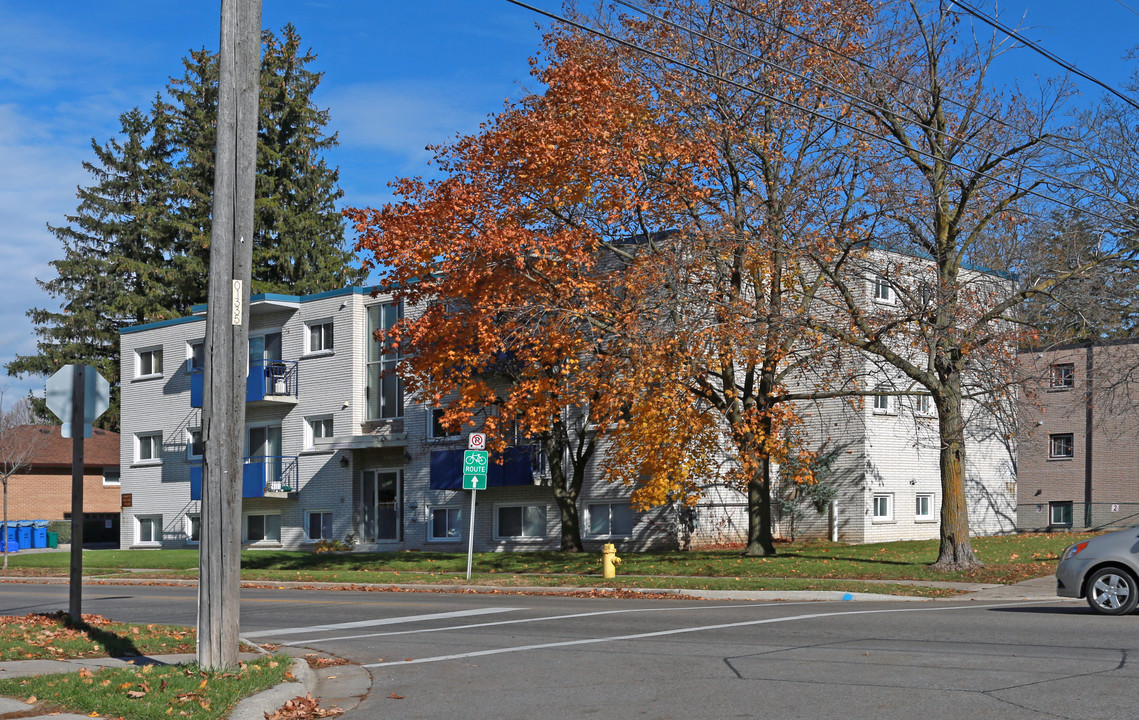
point(1112, 591)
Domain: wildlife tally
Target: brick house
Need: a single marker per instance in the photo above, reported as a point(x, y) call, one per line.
point(43, 491)
point(1078, 443)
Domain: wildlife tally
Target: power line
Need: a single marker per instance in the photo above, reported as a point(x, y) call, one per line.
point(867, 104)
point(1051, 56)
point(1127, 6)
point(870, 67)
point(808, 111)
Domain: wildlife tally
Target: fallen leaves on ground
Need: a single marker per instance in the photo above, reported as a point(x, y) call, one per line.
point(303, 708)
point(317, 662)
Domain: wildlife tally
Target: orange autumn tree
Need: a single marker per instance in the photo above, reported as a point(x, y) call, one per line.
point(726, 339)
point(520, 306)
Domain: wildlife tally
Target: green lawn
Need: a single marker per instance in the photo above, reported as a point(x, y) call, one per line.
point(152, 692)
point(146, 692)
point(49, 636)
point(1008, 559)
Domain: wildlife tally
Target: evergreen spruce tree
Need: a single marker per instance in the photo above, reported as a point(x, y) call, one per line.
point(137, 248)
point(191, 112)
point(299, 247)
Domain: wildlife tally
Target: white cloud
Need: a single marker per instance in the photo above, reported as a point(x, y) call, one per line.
point(37, 186)
point(403, 118)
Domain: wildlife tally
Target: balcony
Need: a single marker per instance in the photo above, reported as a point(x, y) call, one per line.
point(268, 382)
point(270, 476)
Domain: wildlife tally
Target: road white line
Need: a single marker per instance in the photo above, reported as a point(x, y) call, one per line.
point(680, 631)
point(380, 621)
point(550, 617)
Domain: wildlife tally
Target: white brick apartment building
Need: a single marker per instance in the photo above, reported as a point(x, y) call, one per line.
point(334, 449)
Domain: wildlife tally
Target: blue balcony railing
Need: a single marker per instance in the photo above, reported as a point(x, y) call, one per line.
point(260, 475)
point(267, 380)
point(271, 379)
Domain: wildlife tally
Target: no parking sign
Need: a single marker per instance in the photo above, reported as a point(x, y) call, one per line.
point(476, 441)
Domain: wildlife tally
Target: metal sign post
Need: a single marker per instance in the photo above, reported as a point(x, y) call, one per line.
point(471, 536)
point(475, 464)
point(77, 394)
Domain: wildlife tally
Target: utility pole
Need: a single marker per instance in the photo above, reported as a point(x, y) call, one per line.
point(227, 334)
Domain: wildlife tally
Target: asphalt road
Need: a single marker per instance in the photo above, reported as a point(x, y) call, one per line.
point(443, 656)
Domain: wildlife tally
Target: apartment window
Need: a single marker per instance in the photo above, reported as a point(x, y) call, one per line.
point(610, 519)
point(923, 405)
point(883, 292)
point(384, 389)
point(148, 529)
point(262, 528)
point(111, 476)
point(148, 363)
point(1060, 513)
point(1062, 376)
point(923, 508)
point(318, 525)
point(194, 528)
point(446, 524)
point(196, 356)
point(1061, 446)
point(437, 428)
point(883, 508)
point(195, 446)
point(264, 347)
point(882, 403)
point(520, 521)
point(927, 296)
point(148, 447)
point(317, 428)
point(320, 337)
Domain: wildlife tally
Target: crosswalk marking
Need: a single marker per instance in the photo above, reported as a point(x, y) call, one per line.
point(683, 630)
point(377, 622)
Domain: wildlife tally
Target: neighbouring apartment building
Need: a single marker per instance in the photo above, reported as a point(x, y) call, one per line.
point(42, 491)
point(334, 448)
point(1079, 437)
point(883, 449)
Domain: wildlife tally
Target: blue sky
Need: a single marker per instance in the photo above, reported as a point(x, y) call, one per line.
point(398, 76)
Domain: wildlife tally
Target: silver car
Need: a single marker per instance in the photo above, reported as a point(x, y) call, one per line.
point(1102, 569)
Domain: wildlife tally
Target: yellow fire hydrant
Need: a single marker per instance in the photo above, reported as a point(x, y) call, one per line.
point(609, 560)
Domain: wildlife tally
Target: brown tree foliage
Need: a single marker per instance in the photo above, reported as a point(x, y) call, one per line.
point(727, 347)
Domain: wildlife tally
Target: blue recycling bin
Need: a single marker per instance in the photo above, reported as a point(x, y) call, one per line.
point(24, 533)
point(10, 535)
point(39, 537)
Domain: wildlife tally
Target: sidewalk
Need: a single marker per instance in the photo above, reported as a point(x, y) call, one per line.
point(342, 686)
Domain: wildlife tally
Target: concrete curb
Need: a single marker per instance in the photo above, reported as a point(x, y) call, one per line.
point(269, 701)
point(798, 596)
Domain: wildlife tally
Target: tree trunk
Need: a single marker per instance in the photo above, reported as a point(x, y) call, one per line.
point(759, 538)
point(5, 538)
point(956, 550)
point(571, 521)
point(566, 494)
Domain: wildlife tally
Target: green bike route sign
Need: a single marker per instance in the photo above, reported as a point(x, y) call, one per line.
point(475, 463)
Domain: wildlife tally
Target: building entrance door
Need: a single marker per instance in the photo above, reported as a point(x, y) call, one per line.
point(380, 505)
